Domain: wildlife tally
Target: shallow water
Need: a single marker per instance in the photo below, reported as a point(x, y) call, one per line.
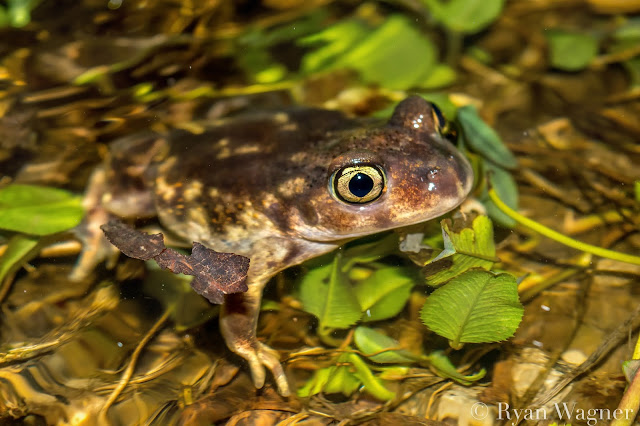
point(73, 82)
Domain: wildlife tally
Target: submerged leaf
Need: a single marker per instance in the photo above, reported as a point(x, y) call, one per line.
point(469, 247)
point(326, 293)
point(334, 42)
point(465, 16)
point(316, 384)
point(371, 342)
point(384, 293)
point(475, 307)
point(341, 378)
point(483, 139)
point(38, 210)
point(441, 75)
point(395, 55)
point(349, 373)
point(570, 50)
point(443, 367)
point(338, 378)
point(19, 250)
point(371, 384)
point(369, 251)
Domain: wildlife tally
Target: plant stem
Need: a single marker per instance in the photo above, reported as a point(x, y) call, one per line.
point(561, 238)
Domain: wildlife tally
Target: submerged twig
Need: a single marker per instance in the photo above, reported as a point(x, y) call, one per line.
point(128, 372)
point(105, 299)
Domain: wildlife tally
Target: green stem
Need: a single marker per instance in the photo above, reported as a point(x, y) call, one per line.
point(561, 238)
point(636, 350)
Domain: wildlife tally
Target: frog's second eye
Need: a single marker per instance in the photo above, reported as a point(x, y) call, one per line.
point(358, 184)
point(445, 128)
point(438, 117)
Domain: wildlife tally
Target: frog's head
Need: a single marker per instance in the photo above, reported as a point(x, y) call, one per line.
point(404, 173)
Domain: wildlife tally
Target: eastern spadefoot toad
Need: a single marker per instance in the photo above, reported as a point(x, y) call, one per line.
point(281, 188)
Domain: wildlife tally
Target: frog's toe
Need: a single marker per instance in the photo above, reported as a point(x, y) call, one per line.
point(271, 360)
point(256, 367)
point(263, 356)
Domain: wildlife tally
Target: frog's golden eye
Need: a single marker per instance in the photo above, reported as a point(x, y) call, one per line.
point(438, 117)
point(358, 184)
point(445, 128)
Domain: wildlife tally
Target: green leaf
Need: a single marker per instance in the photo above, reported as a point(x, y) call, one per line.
point(470, 247)
point(636, 186)
point(441, 75)
point(261, 66)
point(326, 293)
point(507, 189)
point(38, 210)
point(370, 342)
point(443, 367)
point(18, 12)
point(395, 55)
point(482, 139)
point(19, 250)
point(465, 16)
point(448, 108)
point(395, 372)
point(316, 384)
point(335, 41)
point(369, 251)
point(371, 384)
point(341, 378)
point(349, 373)
point(475, 307)
point(384, 293)
point(571, 50)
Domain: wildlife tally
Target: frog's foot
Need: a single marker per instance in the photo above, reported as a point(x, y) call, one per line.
point(259, 356)
point(95, 247)
point(238, 321)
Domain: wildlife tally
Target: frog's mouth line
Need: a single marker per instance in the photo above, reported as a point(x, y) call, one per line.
point(336, 236)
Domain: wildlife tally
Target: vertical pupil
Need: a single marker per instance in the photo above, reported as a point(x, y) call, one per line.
point(360, 185)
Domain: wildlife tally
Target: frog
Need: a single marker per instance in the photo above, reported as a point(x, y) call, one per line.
point(282, 187)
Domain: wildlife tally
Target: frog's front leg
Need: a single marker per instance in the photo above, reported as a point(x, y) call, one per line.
point(238, 323)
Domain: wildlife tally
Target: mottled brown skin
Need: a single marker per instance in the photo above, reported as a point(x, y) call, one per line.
point(259, 186)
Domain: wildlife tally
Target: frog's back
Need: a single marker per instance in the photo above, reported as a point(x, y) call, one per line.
point(234, 182)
